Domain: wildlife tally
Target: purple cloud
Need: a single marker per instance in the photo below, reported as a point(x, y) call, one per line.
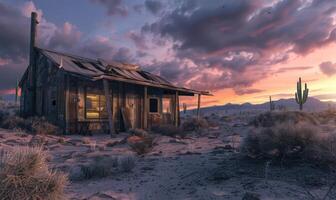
point(153, 6)
point(238, 36)
point(114, 7)
point(328, 68)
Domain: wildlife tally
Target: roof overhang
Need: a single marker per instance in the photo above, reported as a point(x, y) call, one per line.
point(182, 91)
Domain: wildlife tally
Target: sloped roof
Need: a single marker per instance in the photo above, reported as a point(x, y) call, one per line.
point(111, 70)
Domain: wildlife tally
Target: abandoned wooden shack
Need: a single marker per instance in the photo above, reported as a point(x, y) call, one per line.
point(82, 95)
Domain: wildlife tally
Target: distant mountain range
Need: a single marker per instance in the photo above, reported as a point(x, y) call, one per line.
point(312, 105)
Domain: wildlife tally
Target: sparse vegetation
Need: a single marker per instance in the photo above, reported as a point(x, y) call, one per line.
point(102, 167)
point(169, 130)
point(126, 163)
point(141, 145)
point(195, 124)
point(33, 125)
point(24, 174)
point(291, 141)
point(270, 119)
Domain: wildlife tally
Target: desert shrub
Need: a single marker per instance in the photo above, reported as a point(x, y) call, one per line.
point(41, 126)
point(138, 132)
point(3, 114)
point(291, 141)
point(15, 122)
point(269, 119)
point(168, 130)
point(141, 145)
point(195, 124)
point(33, 125)
point(126, 163)
point(24, 174)
point(102, 167)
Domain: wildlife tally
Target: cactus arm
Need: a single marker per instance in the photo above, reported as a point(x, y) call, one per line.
point(296, 98)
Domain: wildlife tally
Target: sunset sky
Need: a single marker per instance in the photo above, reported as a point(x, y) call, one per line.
point(240, 50)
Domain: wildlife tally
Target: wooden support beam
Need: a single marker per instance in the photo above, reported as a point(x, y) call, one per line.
point(145, 109)
point(198, 106)
point(177, 109)
point(108, 105)
point(67, 102)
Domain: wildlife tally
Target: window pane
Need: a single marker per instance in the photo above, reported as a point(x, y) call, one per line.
point(166, 105)
point(153, 105)
point(92, 106)
point(103, 111)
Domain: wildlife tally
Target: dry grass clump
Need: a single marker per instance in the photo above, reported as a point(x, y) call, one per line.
point(141, 145)
point(33, 125)
point(291, 141)
point(86, 140)
point(102, 167)
point(138, 132)
point(126, 163)
point(15, 122)
point(270, 119)
point(3, 115)
point(41, 126)
point(24, 174)
point(168, 130)
point(195, 124)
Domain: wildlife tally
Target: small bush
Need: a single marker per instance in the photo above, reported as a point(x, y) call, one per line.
point(291, 141)
point(33, 125)
point(99, 168)
point(141, 145)
point(195, 124)
point(168, 130)
point(14, 122)
point(270, 119)
point(24, 174)
point(42, 127)
point(3, 115)
point(138, 132)
point(126, 164)
point(86, 140)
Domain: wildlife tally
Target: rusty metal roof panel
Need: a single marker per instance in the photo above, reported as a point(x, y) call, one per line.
point(98, 69)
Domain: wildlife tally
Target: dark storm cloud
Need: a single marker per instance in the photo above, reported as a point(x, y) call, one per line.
point(138, 40)
point(153, 6)
point(328, 68)
point(64, 38)
point(14, 39)
point(114, 7)
point(238, 35)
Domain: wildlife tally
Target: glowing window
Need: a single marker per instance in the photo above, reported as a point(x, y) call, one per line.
point(95, 106)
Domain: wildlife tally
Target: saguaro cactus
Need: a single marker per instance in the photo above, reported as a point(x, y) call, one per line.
point(272, 106)
point(301, 96)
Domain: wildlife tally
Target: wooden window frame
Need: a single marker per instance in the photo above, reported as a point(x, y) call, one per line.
point(85, 107)
point(158, 105)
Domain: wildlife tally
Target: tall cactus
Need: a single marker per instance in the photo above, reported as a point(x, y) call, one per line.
point(272, 105)
point(301, 97)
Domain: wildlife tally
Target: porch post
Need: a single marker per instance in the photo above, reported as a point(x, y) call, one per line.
point(177, 109)
point(198, 106)
point(145, 109)
point(108, 105)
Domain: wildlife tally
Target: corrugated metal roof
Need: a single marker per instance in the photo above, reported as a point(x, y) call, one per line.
point(101, 69)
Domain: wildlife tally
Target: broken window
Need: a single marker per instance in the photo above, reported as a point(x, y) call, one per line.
point(153, 105)
point(95, 106)
point(166, 105)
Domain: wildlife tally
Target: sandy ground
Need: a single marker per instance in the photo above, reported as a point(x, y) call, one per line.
point(202, 166)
